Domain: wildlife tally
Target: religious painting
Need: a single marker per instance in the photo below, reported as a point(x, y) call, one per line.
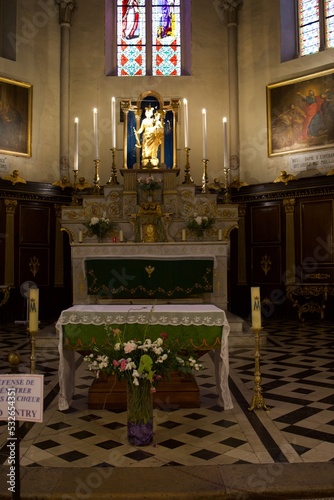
point(300, 114)
point(15, 117)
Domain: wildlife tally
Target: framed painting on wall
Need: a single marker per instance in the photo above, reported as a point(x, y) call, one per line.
point(300, 114)
point(15, 117)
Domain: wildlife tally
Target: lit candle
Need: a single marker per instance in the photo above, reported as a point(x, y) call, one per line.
point(204, 133)
point(96, 137)
point(183, 235)
point(185, 119)
point(33, 309)
point(121, 236)
point(80, 236)
point(113, 123)
point(256, 307)
point(225, 142)
point(76, 142)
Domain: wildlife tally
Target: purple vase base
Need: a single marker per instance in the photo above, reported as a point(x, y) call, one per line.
point(140, 434)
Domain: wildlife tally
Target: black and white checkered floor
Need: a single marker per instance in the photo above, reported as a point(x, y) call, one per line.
point(297, 383)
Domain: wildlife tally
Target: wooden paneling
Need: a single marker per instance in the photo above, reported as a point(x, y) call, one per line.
point(266, 224)
point(34, 225)
point(316, 223)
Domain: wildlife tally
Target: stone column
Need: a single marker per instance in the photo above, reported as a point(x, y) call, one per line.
point(230, 9)
point(66, 7)
point(9, 242)
point(289, 205)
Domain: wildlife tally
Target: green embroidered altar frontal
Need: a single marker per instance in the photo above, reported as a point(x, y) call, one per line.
point(149, 277)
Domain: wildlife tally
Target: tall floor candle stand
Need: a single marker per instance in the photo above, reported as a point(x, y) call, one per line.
point(32, 355)
point(257, 401)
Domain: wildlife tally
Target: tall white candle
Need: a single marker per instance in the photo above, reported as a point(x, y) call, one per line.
point(33, 309)
point(76, 144)
point(113, 123)
point(96, 135)
point(225, 142)
point(256, 307)
point(186, 126)
point(204, 133)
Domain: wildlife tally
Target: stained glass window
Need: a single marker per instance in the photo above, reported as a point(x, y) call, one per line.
point(166, 38)
point(329, 6)
point(148, 37)
point(315, 18)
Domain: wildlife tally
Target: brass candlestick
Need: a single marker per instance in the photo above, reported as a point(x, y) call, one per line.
point(187, 178)
point(32, 355)
point(75, 188)
point(113, 176)
point(257, 401)
point(227, 197)
point(97, 177)
point(205, 175)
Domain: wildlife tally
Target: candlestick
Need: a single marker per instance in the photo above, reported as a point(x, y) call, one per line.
point(113, 123)
point(183, 235)
point(256, 307)
point(204, 175)
point(80, 236)
point(76, 144)
point(33, 309)
point(204, 132)
point(187, 177)
point(225, 142)
point(121, 236)
point(220, 234)
point(96, 136)
point(185, 119)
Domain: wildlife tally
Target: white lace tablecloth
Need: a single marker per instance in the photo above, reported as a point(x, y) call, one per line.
point(164, 314)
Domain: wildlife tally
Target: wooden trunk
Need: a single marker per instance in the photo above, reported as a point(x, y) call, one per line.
point(181, 392)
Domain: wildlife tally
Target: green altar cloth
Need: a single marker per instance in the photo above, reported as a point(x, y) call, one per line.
point(149, 277)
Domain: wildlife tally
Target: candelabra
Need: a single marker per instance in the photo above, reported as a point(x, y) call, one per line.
point(32, 355)
point(75, 188)
point(205, 175)
point(227, 197)
point(113, 176)
point(257, 401)
point(97, 177)
point(187, 178)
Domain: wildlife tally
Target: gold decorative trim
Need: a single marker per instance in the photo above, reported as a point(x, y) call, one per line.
point(228, 230)
point(69, 232)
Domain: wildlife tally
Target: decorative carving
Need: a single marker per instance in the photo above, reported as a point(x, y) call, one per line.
point(284, 177)
point(266, 264)
point(10, 206)
point(66, 7)
point(289, 205)
point(15, 178)
point(34, 265)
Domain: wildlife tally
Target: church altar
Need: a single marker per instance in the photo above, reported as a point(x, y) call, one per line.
point(81, 327)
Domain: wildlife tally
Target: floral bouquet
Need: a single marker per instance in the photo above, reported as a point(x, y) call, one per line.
point(149, 183)
point(101, 227)
point(199, 224)
point(136, 360)
point(142, 363)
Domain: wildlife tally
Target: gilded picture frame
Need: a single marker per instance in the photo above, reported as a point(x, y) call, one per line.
point(15, 117)
point(300, 114)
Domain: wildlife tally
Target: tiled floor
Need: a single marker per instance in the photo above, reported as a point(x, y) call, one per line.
point(297, 383)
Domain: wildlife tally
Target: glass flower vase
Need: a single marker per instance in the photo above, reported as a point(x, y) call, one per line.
point(140, 413)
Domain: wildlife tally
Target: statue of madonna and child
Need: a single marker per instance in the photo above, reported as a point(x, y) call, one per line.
point(152, 132)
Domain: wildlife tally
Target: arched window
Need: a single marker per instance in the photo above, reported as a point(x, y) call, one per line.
point(307, 27)
point(147, 37)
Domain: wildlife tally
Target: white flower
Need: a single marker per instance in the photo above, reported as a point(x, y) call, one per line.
point(94, 220)
point(198, 219)
point(117, 346)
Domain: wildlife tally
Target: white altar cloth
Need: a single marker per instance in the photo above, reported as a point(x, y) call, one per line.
point(164, 314)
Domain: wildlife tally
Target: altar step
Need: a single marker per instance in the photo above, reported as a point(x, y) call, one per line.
point(181, 392)
point(241, 334)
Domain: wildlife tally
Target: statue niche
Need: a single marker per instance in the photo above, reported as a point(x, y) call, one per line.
point(150, 132)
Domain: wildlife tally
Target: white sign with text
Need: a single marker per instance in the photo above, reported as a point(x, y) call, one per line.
point(25, 394)
point(312, 161)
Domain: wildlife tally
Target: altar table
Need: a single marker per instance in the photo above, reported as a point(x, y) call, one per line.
point(80, 327)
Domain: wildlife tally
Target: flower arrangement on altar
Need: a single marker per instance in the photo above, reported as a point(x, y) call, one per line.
point(148, 183)
point(101, 227)
point(136, 360)
point(199, 224)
